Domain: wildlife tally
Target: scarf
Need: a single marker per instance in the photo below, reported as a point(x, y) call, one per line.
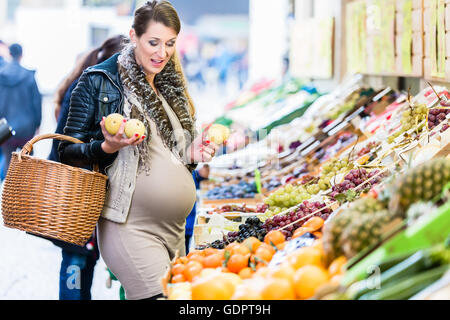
point(145, 104)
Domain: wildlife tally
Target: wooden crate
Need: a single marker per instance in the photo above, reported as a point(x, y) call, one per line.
point(431, 51)
point(417, 46)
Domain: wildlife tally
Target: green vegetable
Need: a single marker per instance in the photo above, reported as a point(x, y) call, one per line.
point(412, 265)
point(408, 287)
point(392, 261)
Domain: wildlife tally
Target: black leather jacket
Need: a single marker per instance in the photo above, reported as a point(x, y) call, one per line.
point(98, 93)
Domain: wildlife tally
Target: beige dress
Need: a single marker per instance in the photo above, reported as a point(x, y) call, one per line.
point(139, 251)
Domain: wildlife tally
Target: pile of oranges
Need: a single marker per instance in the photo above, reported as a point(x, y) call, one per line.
point(240, 271)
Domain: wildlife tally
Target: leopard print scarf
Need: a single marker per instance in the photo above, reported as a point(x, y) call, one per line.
point(145, 103)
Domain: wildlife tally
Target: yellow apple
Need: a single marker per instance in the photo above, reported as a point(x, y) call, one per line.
point(218, 133)
point(133, 127)
point(113, 122)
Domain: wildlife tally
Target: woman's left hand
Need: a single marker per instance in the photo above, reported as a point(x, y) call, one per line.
point(201, 149)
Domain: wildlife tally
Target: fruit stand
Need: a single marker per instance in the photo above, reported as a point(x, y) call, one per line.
point(344, 194)
point(360, 201)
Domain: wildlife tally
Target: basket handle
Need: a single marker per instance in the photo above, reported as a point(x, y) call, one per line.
point(28, 147)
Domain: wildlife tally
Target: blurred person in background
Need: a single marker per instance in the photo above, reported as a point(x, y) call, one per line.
point(64, 91)
point(198, 175)
point(78, 263)
point(4, 53)
point(20, 104)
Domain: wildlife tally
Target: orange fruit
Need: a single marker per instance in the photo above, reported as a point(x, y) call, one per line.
point(182, 260)
point(230, 247)
point(261, 266)
point(305, 256)
point(281, 246)
point(262, 272)
point(283, 271)
point(268, 247)
point(241, 249)
point(237, 262)
point(232, 280)
point(212, 287)
point(278, 289)
point(246, 273)
point(317, 234)
point(191, 253)
point(193, 263)
point(300, 231)
point(337, 266)
point(197, 257)
point(193, 269)
point(246, 291)
point(208, 271)
point(213, 261)
point(178, 269)
point(314, 223)
point(178, 278)
point(252, 243)
point(262, 253)
point(223, 269)
point(209, 251)
point(336, 279)
point(308, 279)
point(275, 237)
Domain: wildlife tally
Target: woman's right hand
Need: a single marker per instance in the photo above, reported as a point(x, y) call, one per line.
point(114, 143)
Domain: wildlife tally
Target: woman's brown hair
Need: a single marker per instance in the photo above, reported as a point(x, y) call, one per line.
point(162, 12)
point(106, 50)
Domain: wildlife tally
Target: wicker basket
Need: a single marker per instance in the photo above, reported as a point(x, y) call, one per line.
point(51, 199)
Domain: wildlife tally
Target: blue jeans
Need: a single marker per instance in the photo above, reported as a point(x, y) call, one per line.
point(75, 277)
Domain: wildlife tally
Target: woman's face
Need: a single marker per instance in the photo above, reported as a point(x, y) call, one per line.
point(155, 47)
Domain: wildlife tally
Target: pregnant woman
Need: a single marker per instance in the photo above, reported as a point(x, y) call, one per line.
point(151, 190)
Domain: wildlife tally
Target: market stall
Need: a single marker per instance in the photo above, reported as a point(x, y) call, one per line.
point(370, 191)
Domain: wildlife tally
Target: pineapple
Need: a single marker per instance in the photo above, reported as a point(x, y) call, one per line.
point(364, 232)
point(421, 183)
point(366, 205)
point(333, 230)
